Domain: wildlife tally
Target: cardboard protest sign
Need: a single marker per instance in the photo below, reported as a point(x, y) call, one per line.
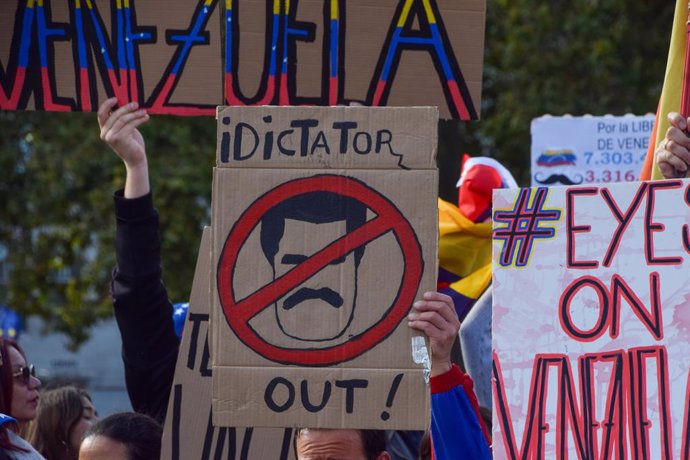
point(588, 150)
point(591, 331)
point(186, 57)
point(324, 234)
point(382, 52)
point(65, 56)
point(189, 431)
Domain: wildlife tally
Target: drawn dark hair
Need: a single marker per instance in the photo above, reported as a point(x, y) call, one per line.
point(139, 433)
point(315, 208)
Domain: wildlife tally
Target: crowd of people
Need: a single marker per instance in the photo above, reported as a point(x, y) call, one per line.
point(62, 423)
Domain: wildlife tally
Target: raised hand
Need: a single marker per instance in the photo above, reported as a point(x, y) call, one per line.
point(119, 131)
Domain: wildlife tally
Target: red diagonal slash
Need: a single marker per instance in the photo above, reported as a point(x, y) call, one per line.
point(251, 306)
point(388, 218)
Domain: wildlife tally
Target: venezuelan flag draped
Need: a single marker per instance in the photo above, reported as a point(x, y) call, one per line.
point(670, 100)
point(464, 252)
point(464, 247)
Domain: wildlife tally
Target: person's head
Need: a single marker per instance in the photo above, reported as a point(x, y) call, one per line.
point(316, 444)
point(64, 414)
point(19, 392)
point(123, 436)
point(294, 230)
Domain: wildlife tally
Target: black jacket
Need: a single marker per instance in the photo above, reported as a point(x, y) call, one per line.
point(142, 309)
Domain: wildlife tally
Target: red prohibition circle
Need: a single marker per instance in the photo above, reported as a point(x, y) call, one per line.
point(388, 218)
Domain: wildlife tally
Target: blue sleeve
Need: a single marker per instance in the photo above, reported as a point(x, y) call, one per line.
point(456, 431)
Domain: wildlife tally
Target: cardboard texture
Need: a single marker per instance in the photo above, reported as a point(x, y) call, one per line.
point(317, 260)
point(591, 332)
point(188, 432)
point(378, 53)
point(273, 52)
point(65, 56)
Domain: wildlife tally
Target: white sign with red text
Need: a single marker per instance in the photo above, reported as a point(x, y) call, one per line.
point(591, 321)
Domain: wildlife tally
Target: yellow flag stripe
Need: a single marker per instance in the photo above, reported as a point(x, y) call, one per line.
point(670, 94)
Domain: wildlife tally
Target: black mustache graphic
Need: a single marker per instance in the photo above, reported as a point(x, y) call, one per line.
point(329, 295)
point(558, 178)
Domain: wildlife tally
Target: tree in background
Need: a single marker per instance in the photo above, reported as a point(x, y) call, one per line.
point(559, 57)
point(57, 219)
point(56, 212)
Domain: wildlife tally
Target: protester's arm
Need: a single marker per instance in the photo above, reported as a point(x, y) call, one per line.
point(140, 301)
point(673, 153)
point(456, 429)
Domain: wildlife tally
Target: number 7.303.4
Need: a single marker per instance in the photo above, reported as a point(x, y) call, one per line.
point(612, 158)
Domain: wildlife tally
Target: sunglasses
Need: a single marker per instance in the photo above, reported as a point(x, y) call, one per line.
point(25, 373)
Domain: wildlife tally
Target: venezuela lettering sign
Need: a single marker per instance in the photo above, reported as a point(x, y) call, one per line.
point(183, 57)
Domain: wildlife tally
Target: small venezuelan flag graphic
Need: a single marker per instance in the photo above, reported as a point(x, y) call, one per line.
point(559, 157)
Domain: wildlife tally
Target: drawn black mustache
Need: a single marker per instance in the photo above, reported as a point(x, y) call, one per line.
point(326, 294)
point(558, 178)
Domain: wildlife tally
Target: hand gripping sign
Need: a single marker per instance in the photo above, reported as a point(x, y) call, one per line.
point(324, 234)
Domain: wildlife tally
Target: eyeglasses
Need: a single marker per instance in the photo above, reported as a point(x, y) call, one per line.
point(25, 373)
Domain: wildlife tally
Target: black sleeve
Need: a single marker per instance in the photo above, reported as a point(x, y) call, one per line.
point(142, 309)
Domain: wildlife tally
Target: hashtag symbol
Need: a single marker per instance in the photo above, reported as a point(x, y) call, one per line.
point(520, 226)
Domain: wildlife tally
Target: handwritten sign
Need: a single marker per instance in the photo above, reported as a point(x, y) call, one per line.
point(588, 150)
point(189, 431)
point(591, 332)
point(324, 234)
point(186, 57)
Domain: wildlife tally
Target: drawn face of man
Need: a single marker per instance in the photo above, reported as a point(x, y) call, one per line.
point(321, 299)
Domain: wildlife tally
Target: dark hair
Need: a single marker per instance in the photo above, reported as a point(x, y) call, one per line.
point(6, 378)
point(315, 208)
point(139, 433)
point(425, 446)
point(373, 441)
point(485, 415)
point(59, 410)
point(6, 386)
